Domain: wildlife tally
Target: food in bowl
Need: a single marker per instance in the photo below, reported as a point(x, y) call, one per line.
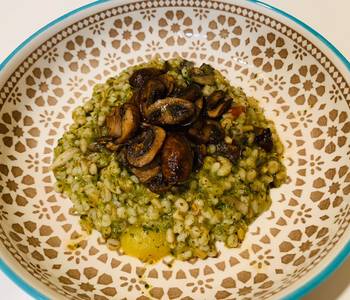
point(169, 158)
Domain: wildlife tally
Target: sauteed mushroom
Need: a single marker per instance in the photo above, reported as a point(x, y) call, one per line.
point(114, 122)
point(191, 93)
point(203, 75)
point(145, 146)
point(168, 81)
point(170, 111)
point(217, 104)
point(153, 90)
point(123, 122)
point(204, 79)
point(232, 152)
point(141, 76)
point(147, 172)
point(177, 159)
point(157, 184)
point(160, 159)
point(206, 132)
point(199, 153)
point(263, 138)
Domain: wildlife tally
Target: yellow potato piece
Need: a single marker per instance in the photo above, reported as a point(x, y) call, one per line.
point(149, 246)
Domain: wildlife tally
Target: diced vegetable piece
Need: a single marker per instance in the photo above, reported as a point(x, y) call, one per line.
point(236, 111)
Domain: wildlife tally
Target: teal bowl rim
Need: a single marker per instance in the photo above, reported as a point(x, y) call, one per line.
point(297, 294)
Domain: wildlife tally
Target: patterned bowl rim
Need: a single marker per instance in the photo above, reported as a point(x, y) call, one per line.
point(298, 293)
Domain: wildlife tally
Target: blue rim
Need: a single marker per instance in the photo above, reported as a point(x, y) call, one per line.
point(297, 294)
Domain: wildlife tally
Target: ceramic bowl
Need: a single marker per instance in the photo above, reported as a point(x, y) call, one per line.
point(302, 82)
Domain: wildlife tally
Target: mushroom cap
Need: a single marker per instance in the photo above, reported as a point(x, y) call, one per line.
point(177, 159)
point(192, 92)
point(114, 122)
point(141, 76)
point(170, 111)
point(206, 132)
point(158, 185)
point(130, 122)
point(147, 172)
point(217, 104)
point(123, 122)
point(263, 138)
point(230, 151)
point(145, 146)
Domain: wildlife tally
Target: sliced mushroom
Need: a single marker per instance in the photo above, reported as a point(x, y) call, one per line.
point(199, 153)
point(141, 76)
point(168, 81)
point(170, 111)
point(218, 104)
point(158, 185)
point(135, 98)
point(145, 146)
point(177, 159)
point(263, 138)
point(231, 152)
point(215, 98)
point(191, 93)
point(203, 75)
point(123, 122)
point(204, 79)
point(220, 109)
point(114, 122)
point(147, 172)
point(206, 132)
point(199, 104)
point(130, 122)
point(206, 69)
point(153, 90)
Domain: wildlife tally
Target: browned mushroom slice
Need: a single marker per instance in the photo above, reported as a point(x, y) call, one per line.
point(191, 93)
point(170, 111)
point(220, 109)
point(130, 122)
point(141, 76)
point(263, 138)
point(135, 98)
point(215, 132)
point(199, 152)
point(147, 172)
point(232, 152)
point(217, 104)
point(158, 185)
point(123, 122)
point(177, 159)
point(114, 122)
point(168, 81)
point(145, 146)
point(203, 75)
point(207, 132)
point(204, 79)
point(199, 103)
point(215, 98)
point(153, 90)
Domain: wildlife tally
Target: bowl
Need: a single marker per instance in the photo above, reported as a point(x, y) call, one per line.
point(303, 84)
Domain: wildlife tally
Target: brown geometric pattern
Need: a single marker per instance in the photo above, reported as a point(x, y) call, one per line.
point(300, 88)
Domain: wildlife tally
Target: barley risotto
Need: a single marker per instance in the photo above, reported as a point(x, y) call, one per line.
point(169, 158)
